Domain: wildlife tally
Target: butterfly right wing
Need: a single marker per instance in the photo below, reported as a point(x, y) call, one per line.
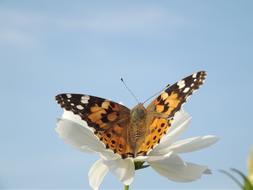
point(163, 108)
point(109, 120)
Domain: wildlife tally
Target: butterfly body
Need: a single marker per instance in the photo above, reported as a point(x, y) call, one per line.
point(132, 133)
point(138, 127)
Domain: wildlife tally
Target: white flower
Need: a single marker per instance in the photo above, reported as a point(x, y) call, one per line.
point(163, 158)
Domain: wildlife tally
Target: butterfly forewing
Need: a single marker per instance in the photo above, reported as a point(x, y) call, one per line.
point(164, 107)
point(108, 119)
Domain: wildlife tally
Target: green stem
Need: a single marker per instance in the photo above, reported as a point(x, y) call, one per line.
point(137, 166)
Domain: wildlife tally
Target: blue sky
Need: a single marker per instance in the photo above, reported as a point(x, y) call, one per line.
point(49, 47)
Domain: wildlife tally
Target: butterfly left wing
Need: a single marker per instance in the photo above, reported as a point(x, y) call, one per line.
point(108, 119)
point(164, 107)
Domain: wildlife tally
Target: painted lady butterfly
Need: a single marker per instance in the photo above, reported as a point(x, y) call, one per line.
point(134, 132)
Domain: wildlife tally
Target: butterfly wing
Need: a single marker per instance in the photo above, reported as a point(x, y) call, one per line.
point(109, 120)
point(164, 107)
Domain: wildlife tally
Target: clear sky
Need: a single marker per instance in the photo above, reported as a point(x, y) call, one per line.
point(50, 47)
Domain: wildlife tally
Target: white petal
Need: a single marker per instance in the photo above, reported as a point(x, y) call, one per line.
point(75, 118)
point(195, 171)
point(109, 155)
point(97, 173)
point(180, 124)
point(179, 118)
point(75, 131)
point(141, 158)
point(122, 168)
point(193, 144)
point(157, 158)
point(175, 169)
point(78, 136)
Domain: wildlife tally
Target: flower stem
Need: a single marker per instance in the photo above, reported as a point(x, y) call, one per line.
point(137, 165)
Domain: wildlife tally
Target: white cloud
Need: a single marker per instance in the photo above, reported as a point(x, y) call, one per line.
point(144, 20)
point(17, 28)
point(26, 28)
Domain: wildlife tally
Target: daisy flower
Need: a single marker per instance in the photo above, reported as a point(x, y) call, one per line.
point(164, 158)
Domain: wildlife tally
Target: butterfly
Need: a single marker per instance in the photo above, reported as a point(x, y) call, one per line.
point(132, 132)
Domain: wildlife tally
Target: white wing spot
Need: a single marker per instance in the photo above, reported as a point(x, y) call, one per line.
point(80, 107)
point(85, 99)
point(68, 95)
point(72, 104)
point(68, 100)
point(195, 80)
point(186, 89)
point(181, 84)
point(194, 75)
point(192, 84)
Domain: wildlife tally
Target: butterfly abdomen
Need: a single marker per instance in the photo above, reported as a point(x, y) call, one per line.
point(137, 130)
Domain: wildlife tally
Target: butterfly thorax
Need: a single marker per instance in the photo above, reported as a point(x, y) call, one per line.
point(137, 130)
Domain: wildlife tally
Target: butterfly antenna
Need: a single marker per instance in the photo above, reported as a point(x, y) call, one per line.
point(129, 90)
point(156, 93)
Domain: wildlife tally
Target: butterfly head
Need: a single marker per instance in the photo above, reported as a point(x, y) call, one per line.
point(138, 112)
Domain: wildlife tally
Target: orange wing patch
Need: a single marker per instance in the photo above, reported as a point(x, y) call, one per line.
point(158, 129)
point(114, 138)
point(171, 100)
point(103, 116)
point(165, 104)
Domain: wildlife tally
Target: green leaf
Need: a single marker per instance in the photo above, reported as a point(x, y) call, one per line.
point(126, 187)
point(233, 178)
point(247, 183)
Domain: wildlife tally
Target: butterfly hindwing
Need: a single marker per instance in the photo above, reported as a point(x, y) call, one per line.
point(164, 107)
point(108, 119)
point(158, 129)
